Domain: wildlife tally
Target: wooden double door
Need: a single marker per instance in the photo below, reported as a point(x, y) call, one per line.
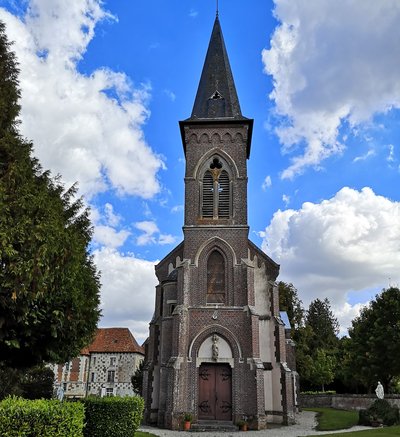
point(215, 392)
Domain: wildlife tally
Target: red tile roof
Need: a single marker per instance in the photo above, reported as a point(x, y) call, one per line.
point(114, 340)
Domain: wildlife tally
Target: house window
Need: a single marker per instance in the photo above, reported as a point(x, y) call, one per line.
point(94, 361)
point(93, 377)
point(113, 360)
point(109, 392)
point(111, 376)
point(216, 194)
point(215, 278)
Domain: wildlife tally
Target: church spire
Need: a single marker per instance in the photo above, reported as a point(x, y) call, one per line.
point(216, 95)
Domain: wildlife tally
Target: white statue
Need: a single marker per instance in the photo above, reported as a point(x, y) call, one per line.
point(215, 351)
point(380, 393)
point(60, 393)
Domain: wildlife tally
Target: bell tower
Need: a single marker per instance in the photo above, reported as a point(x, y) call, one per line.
point(217, 345)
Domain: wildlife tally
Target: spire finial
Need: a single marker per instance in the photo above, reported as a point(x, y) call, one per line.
point(217, 9)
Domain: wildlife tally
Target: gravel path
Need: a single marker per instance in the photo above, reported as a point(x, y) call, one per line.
point(305, 424)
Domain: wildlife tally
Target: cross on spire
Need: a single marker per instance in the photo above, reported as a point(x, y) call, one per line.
point(217, 9)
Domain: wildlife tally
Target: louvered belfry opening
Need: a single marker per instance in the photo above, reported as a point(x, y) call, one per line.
point(208, 195)
point(223, 195)
point(216, 194)
point(216, 278)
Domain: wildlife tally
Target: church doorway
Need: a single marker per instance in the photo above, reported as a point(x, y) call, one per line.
point(215, 392)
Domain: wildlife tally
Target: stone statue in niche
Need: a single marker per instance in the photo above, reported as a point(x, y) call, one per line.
point(214, 347)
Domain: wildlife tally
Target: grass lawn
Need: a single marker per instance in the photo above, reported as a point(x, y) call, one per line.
point(379, 432)
point(330, 419)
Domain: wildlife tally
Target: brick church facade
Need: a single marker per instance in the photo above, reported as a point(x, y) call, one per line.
point(217, 347)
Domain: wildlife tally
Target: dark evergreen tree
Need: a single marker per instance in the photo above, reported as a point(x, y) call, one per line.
point(137, 379)
point(49, 286)
point(324, 325)
point(37, 383)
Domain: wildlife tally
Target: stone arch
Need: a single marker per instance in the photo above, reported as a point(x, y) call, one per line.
point(201, 260)
point(193, 139)
point(201, 166)
point(223, 332)
point(227, 138)
point(239, 138)
point(213, 243)
point(216, 138)
point(204, 139)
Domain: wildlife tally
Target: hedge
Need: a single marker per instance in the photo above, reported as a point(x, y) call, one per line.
point(112, 416)
point(40, 418)
point(380, 412)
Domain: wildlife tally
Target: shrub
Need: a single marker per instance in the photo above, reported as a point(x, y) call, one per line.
point(380, 411)
point(41, 418)
point(113, 416)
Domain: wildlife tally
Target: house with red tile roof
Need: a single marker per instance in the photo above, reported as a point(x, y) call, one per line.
point(103, 368)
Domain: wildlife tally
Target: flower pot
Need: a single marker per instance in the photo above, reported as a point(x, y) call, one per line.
point(186, 425)
point(243, 427)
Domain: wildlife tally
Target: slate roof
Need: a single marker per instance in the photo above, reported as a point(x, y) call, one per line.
point(113, 340)
point(216, 96)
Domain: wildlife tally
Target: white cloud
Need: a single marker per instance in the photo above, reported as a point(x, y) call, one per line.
point(151, 234)
point(286, 199)
point(391, 157)
point(170, 95)
point(87, 128)
point(365, 157)
point(331, 62)
point(166, 239)
point(193, 13)
point(348, 243)
point(267, 183)
point(128, 291)
point(177, 208)
point(112, 218)
point(149, 230)
point(346, 314)
point(109, 237)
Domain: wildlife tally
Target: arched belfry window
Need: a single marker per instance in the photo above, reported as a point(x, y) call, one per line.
point(216, 278)
point(208, 195)
point(216, 192)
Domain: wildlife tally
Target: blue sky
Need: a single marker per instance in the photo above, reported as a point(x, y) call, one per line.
point(104, 85)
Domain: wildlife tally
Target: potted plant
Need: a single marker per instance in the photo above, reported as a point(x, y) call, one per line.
point(242, 424)
point(187, 420)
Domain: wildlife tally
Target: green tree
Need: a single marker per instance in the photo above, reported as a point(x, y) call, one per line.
point(289, 301)
point(324, 325)
point(322, 369)
point(375, 340)
point(49, 286)
point(137, 379)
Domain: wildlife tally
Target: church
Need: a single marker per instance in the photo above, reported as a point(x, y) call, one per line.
point(218, 347)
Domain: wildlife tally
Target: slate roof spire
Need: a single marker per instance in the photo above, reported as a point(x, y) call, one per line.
point(216, 95)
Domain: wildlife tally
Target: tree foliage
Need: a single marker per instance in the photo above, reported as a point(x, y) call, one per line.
point(322, 371)
point(375, 340)
point(137, 379)
point(49, 286)
point(324, 325)
point(289, 301)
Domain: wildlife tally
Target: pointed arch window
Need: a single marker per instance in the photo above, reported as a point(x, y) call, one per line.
point(216, 192)
point(216, 278)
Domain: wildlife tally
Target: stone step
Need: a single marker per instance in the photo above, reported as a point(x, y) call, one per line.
point(209, 426)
